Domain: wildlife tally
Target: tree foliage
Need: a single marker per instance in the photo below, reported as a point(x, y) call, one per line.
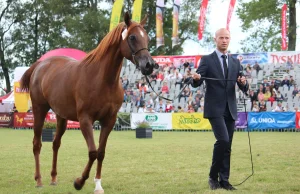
point(262, 20)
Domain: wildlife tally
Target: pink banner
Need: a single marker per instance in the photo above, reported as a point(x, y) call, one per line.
point(202, 18)
point(230, 11)
point(177, 61)
point(283, 28)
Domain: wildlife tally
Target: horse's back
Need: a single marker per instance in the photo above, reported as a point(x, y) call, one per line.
point(51, 83)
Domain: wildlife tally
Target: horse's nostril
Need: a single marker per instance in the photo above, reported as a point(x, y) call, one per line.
point(148, 65)
point(155, 65)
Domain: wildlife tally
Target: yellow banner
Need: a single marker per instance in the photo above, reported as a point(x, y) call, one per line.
point(116, 14)
point(137, 10)
point(22, 99)
point(191, 121)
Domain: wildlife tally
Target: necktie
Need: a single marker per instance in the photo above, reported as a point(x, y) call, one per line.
point(225, 66)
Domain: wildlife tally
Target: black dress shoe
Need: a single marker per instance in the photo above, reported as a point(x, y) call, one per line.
point(227, 186)
point(213, 184)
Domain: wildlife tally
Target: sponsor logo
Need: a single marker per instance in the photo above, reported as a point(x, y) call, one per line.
point(5, 118)
point(189, 120)
point(151, 118)
point(262, 120)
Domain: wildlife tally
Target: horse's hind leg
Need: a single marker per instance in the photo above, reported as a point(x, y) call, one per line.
point(86, 127)
point(60, 130)
point(107, 125)
point(39, 113)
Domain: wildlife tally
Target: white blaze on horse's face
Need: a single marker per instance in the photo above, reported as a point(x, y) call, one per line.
point(142, 33)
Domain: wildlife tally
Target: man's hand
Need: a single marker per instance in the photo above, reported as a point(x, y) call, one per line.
point(196, 76)
point(242, 80)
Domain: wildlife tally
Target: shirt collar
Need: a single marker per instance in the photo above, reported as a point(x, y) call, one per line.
point(220, 54)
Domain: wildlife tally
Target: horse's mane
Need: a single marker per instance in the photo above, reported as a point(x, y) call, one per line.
point(112, 38)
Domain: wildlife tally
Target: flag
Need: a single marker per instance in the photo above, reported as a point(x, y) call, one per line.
point(160, 5)
point(283, 27)
point(202, 18)
point(176, 7)
point(230, 10)
point(116, 14)
point(137, 10)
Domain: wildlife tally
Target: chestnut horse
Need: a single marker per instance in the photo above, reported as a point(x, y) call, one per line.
point(85, 91)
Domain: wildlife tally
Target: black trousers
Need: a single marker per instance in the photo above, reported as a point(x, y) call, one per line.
point(223, 128)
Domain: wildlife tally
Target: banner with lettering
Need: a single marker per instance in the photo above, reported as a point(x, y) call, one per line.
point(271, 120)
point(241, 121)
point(116, 14)
point(176, 7)
point(51, 117)
point(283, 27)
point(6, 119)
point(229, 14)
point(24, 120)
point(158, 121)
point(190, 121)
point(202, 16)
point(160, 6)
point(22, 99)
point(137, 10)
point(251, 58)
point(178, 61)
point(283, 57)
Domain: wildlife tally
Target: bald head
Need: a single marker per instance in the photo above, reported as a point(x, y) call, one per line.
point(222, 39)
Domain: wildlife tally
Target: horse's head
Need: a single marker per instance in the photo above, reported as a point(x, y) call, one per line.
point(134, 45)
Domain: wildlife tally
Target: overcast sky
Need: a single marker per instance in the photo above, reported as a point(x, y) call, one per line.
point(217, 18)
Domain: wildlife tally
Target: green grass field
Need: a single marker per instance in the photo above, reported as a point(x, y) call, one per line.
point(170, 162)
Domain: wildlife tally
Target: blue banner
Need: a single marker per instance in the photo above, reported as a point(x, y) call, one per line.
point(271, 120)
point(251, 58)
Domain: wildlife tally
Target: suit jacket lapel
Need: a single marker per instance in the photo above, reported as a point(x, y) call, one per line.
point(218, 64)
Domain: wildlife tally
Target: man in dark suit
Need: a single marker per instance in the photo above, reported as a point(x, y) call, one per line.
point(220, 105)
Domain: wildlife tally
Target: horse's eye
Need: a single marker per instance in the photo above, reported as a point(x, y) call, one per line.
point(132, 37)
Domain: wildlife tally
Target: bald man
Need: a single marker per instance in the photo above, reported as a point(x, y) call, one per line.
point(220, 104)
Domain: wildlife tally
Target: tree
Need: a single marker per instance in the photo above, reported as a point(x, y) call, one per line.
point(9, 15)
point(262, 19)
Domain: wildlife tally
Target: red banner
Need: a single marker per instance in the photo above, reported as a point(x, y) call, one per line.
point(229, 14)
point(297, 120)
point(26, 120)
point(283, 28)
point(202, 18)
point(177, 61)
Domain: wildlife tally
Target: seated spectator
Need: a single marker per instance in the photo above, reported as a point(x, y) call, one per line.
point(256, 67)
point(127, 96)
point(125, 83)
point(165, 88)
point(185, 94)
point(169, 107)
point(278, 108)
point(277, 83)
point(179, 109)
point(30, 109)
point(279, 96)
point(14, 109)
point(149, 109)
point(272, 98)
point(178, 78)
point(139, 102)
point(260, 89)
point(160, 76)
point(265, 84)
point(285, 82)
point(260, 96)
point(162, 105)
point(262, 106)
point(142, 109)
point(255, 107)
point(295, 91)
point(267, 94)
point(190, 109)
point(199, 95)
point(292, 81)
point(190, 101)
point(196, 104)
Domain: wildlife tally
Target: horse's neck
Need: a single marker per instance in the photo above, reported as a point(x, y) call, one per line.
point(109, 67)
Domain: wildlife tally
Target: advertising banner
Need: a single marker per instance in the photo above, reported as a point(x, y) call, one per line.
point(251, 58)
point(51, 117)
point(116, 14)
point(283, 27)
point(229, 14)
point(176, 7)
point(284, 56)
point(271, 120)
point(160, 6)
point(178, 61)
point(202, 17)
point(6, 119)
point(158, 121)
point(298, 120)
point(22, 100)
point(191, 121)
point(241, 121)
point(23, 120)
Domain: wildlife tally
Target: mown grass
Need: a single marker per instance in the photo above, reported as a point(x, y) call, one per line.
point(170, 162)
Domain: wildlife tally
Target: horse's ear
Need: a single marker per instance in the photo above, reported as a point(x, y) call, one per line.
point(143, 22)
point(127, 19)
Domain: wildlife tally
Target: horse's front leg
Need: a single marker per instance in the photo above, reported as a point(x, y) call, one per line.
point(87, 131)
point(106, 127)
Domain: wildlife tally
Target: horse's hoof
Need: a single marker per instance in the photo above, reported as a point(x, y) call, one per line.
point(77, 186)
point(99, 191)
point(53, 183)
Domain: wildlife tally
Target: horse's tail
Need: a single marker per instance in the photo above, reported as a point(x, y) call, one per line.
point(25, 80)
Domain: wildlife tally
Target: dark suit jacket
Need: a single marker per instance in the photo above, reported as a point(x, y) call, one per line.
point(218, 92)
